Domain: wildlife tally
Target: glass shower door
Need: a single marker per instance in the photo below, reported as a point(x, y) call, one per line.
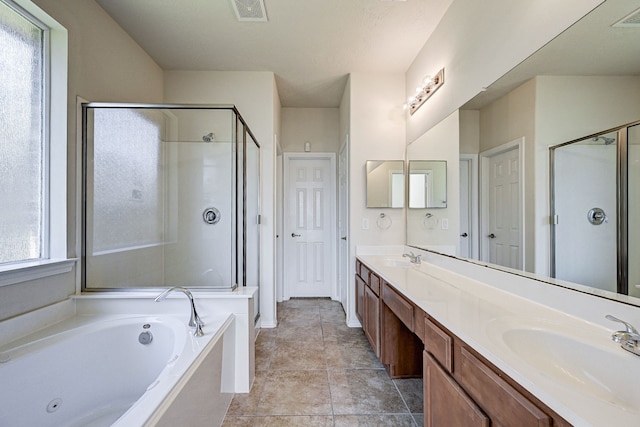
point(585, 211)
point(633, 167)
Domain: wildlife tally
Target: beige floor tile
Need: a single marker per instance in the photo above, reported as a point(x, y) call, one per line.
point(364, 391)
point(419, 419)
point(341, 332)
point(233, 421)
point(294, 421)
point(411, 390)
point(381, 420)
point(310, 331)
point(295, 393)
point(247, 403)
point(299, 355)
point(351, 355)
point(265, 350)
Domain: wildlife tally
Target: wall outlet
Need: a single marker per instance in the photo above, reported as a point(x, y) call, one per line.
point(365, 223)
point(444, 223)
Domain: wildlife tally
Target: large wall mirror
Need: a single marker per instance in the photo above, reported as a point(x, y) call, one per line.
point(385, 183)
point(582, 84)
point(427, 184)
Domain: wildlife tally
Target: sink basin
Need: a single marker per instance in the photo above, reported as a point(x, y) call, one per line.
point(608, 373)
point(397, 262)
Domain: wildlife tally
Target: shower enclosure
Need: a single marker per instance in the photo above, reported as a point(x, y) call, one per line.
point(595, 210)
point(170, 197)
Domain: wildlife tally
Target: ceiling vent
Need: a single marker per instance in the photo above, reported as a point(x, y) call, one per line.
point(631, 20)
point(250, 10)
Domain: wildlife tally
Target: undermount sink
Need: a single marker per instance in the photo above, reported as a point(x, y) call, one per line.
point(607, 372)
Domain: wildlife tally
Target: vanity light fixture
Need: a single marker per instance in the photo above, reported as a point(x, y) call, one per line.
point(423, 92)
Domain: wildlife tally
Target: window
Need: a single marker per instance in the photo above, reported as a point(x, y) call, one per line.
point(22, 162)
point(33, 56)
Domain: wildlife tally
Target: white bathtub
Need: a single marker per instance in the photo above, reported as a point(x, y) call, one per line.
point(93, 371)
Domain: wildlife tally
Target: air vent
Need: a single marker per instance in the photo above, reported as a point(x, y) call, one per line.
point(631, 20)
point(250, 10)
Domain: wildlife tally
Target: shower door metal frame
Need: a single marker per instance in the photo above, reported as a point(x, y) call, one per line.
point(83, 221)
point(622, 205)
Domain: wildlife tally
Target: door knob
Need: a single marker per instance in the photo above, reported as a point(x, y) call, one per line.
point(491, 236)
point(464, 235)
point(344, 237)
point(295, 235)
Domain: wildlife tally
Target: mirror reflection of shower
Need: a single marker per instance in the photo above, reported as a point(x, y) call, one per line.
point(595, 208)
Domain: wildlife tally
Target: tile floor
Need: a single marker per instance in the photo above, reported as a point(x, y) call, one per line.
point(313, 370)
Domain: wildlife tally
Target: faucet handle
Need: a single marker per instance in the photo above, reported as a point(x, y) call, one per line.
point(629, 327)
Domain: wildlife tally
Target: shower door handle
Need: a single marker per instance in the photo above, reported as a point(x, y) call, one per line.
point(295, 235)
point(491, 236)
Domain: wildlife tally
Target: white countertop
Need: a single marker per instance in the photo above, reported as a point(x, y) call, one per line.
point(503, 327)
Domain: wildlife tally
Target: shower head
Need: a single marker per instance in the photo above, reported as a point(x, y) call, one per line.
point(210, 137)
point(606, 140)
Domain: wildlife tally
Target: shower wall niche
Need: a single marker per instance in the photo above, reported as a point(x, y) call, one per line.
point(170, 197)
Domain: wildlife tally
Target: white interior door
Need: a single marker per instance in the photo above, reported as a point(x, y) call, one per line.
point(309, 230)
point(503, 239)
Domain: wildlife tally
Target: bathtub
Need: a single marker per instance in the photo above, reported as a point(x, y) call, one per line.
point(120, 371)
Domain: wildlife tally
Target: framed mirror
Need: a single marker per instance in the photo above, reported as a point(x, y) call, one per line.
point(385, 183)
point(427, 184)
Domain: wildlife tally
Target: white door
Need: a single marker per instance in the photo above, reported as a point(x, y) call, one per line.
point(465, 208)
point(309, 231)
point(504, 233)
point(343, 223)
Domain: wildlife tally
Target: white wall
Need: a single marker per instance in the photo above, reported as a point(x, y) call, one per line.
point(255, 96)
point(439, 143)
point(477, 42)
point(376, 126)
point(319, 126)
point(104, 65)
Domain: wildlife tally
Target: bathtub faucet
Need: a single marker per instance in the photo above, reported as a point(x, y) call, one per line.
point(194, 321)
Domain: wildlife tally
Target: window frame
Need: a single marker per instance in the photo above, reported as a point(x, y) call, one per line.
point(53, 254)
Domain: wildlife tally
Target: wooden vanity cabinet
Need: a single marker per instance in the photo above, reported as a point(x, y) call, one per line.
point(368, 304)
point(461, 388)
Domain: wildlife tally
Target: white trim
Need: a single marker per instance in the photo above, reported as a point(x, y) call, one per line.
point(343, 294)
point(10, 274)
point(286, 294)
point(474, 227)
point(485, 157)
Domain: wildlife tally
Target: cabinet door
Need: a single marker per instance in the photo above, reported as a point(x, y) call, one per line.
point(360, 299)
point(445, 403)
point(372, 319)
point(504, 404)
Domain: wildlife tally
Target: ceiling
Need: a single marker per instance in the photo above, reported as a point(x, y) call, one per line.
point(590, 47)
point(310, 45)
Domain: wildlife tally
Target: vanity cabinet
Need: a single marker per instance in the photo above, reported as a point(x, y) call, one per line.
point(461, 388)
point(368, 304)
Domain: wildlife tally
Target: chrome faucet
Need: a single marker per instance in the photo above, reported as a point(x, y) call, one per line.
point(194, 321)
point(629, 339)
point(413, 257)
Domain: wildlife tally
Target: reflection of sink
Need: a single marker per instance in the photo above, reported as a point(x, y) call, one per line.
point(608, 375)
point(397, 262)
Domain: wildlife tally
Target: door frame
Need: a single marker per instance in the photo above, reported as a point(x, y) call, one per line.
point(474, 214)
point(343, 262)
point(287, 157)
point(485, 158)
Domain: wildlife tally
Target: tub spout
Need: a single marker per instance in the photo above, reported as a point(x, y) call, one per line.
point(194, 321)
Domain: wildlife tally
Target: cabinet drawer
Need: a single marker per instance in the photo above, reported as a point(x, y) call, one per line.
point(439, 344)
point(364, 273)
point(400, 306)
point(503, 403)
point(374, 283)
